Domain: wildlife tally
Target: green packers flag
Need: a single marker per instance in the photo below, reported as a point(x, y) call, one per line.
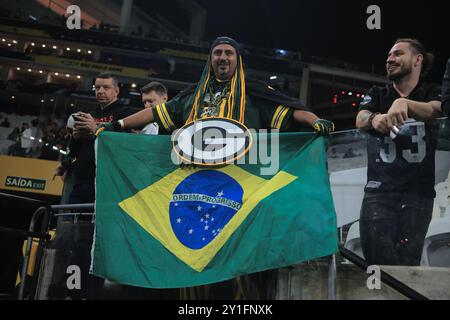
point(160, 225)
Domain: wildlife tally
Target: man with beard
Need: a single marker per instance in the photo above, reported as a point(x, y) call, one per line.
point(398, 201)
point(224, 92)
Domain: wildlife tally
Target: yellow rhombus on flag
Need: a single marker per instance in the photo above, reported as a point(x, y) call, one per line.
point(150, 209)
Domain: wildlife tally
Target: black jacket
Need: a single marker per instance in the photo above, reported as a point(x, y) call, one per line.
point(81, 151)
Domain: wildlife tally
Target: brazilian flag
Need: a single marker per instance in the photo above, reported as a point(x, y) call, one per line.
point(161, 225)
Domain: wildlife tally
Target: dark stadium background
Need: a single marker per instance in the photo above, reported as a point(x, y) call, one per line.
point(329, 29)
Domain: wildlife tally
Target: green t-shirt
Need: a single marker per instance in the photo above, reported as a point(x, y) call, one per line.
point(259, 113)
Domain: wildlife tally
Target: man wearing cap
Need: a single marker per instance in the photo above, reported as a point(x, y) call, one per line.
point(223, 92)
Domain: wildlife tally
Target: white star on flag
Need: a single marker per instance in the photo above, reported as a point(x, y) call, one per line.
point(199, 208)
point(179, 220)
point(191, 231)
point(220, 194)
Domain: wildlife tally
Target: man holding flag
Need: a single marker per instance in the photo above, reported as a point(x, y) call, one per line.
point(223, 92)
point(159, 225)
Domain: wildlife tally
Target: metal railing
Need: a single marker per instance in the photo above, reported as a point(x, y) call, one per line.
point(46, 213)
point(384, 277)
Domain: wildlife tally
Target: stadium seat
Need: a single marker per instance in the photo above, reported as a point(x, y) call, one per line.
point(353, 241)
point(436, 250)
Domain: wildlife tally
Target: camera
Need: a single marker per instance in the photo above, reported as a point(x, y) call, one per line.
point(71, 120)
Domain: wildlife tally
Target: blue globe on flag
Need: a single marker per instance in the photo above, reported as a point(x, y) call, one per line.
point(202, 205)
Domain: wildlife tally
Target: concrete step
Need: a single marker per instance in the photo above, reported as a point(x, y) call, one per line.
point(309, 281)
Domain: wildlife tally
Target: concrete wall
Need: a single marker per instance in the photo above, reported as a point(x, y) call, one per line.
point(309, 281)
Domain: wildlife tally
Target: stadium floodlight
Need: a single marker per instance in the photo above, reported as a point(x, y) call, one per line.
point(281, 52)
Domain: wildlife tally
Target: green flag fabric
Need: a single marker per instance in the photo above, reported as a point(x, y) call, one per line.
point(161, 225)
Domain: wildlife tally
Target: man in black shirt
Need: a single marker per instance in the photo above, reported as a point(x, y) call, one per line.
point(82, 145)
point(74, 240)
point(399, 193)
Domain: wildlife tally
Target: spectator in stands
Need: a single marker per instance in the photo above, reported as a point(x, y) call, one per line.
point(14, 135)
point(82, 143)
point(153, 93)
point(398, 201)
point(25, 140)
point(219, 93)
point(5, 123)
point(79, 167)
point(19, 147)
point(34, 133)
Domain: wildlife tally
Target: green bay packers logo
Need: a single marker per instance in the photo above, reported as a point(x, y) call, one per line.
point(212, 141)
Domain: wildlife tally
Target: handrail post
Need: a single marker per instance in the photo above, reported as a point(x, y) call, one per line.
point(26, 260)
point(332, 277)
